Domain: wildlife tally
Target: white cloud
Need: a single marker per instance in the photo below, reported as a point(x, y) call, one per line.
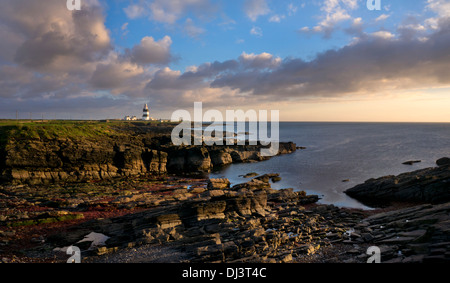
point(134, 11)
point(256, 31)
point(382, 17)
point(383, 34)
point(440, 7)
point(292, 9)
point(305, 29)
point(256, 8)
point(124, 29)
point(169, 11)
point(334, 12)
point(442, 10)
point(259, 61)
point(276, 18)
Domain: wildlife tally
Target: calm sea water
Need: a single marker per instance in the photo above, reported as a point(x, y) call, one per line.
point(347, 151)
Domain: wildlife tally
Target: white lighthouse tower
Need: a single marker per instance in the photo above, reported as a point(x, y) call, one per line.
point(146, 115)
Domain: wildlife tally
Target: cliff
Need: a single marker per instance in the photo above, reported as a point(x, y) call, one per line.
point(40, 153)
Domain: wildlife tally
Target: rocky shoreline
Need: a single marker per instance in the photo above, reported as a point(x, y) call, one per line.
point(430, 185)
point(120, 202)
point(208, 221)
point(45, 156)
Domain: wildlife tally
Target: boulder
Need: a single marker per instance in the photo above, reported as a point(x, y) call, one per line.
point(430, 185)
point(220, 157)
point(219, 184)
point(443, 161)
point(249, 175)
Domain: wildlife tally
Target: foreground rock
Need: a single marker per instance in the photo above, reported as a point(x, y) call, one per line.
point(242, 224)
point(431, 185)
point(210, 221)
point(411, 235)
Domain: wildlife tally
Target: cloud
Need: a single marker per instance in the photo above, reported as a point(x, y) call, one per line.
point(256, 31)
point(256, 8)
point(134, 11)
point(378, 62)
point(124, 29)
point(150, 51)
point(382, 17)
point(292, 9)
point(440, 7)
point(356, 27)
point(57, 58)
point(192, 30)
point(53, 55)
point(334, 12)
point(55, 37)
point(383, 34)
point(276, 18)
point(170, 11)
point(116, 75)
point(259, 61)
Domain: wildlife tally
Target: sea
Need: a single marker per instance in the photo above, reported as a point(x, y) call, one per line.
point(339, 156)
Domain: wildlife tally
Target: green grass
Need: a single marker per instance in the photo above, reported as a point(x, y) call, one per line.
point(18, 131)
point(24, 130)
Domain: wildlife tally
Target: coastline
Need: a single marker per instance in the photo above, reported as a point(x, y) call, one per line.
point(248, 223)
point(148, 217)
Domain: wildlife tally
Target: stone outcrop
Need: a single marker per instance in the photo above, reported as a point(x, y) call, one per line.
point(60, 159)
point(443, 161)
point(218, 184)
point(48, 161)
point(237, 226)
point(410, 235)
point(431, 185)
point(248, 222)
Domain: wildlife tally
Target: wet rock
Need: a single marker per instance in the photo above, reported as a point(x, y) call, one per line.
point(411, 162)
point(443, 161)
point(249, 175)
point(426, 186)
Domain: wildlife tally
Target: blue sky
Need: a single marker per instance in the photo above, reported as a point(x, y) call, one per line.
point(314, 60)
point(225, 33)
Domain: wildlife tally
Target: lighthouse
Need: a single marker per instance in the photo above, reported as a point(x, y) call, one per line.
point(146, 115)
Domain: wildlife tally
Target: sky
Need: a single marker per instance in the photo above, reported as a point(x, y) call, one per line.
point(313, 60)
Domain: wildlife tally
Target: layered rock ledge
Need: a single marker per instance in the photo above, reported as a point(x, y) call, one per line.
point(430, 185)
point(43, 154)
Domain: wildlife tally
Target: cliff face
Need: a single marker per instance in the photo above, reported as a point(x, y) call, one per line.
point(47, 160)
point(36, 161)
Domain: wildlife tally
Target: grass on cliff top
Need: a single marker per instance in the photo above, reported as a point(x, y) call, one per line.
point(54, 129)
point(21, 130)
